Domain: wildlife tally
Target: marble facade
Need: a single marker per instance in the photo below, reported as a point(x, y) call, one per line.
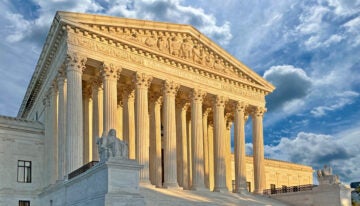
point(163, 79)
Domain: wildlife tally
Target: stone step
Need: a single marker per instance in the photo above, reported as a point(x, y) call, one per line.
point(179, 197)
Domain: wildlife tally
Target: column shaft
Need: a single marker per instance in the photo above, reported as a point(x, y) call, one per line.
point(97, 123)
point(219, 145)
point(142, 135)
point(170, 177)
point(258, 153)
point(239, 148)
point(206, 146)
point(74, 127)
point(197, 140)
point(119, 120)
point(61, 80)
point(87, 118)
point(129, 120)
point(110, 74)
point(184, 143)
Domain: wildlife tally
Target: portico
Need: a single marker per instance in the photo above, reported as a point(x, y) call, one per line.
point(171, 90)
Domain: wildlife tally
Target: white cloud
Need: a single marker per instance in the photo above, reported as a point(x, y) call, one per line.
point(341, 100)
point(317, 150)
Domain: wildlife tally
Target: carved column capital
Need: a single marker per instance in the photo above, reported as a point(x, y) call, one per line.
point(170, 88)
point(197, 95)
point(206, 111)
point(75, 62)
point(220, 101)
point(110, 71)
point(258, 111)
point(61, 75)
point(155, 98)
point(142, 80)
point(183, 104)
point(87, 91)
point(96, 84)
point(128, 92)
point(240, 106)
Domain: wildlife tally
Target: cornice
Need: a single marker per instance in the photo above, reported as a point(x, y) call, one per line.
point(107, 34)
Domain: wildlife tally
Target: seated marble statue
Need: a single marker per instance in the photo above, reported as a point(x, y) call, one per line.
point(325, 176)
point(111, 147)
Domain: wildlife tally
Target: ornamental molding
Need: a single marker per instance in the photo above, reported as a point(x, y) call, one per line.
point(147, 43)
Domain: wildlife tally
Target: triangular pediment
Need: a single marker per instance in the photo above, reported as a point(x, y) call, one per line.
point(174, 41)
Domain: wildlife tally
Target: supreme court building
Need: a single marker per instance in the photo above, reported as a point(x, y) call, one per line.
point(169, 91)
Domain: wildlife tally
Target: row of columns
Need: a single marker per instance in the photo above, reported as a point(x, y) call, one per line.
point(187, 144)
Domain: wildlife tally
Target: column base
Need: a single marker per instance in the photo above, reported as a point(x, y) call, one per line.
point(199, 188)
point(258, 192)
point(220, 189)
point(242, 191)
point(170, 185)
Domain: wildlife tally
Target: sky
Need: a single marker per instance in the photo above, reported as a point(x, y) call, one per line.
point(308, 49)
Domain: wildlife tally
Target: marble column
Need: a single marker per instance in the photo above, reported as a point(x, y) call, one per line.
point(75, 65)
point(197, 140)
point(210, 132)
point(54, 131)
point(206, 145)
point(219, 145)
point(119, 119)
point(258, 150)
point(239, 147)
point(142, 83)
point(228, 123)
point(110, 74)
point(129, 119)
point(87, 124)
point(155, 139)
point(61, 84)
point(97, 123)
point(170, 176)
point(189, 149)
point(184, 105)
point(47, 141)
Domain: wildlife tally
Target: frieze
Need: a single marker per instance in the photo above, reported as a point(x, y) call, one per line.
point(131, 55)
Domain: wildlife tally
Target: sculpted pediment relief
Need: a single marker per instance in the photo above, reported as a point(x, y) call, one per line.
point(178, 45)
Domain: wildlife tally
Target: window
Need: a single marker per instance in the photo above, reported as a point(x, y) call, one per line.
point(24, 171)
point(24, 203)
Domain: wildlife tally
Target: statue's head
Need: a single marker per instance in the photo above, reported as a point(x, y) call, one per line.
point(112, 132)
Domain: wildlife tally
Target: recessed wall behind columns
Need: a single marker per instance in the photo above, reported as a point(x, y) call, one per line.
point(20, 140)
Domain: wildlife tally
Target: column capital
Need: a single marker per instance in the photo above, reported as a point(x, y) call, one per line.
point(197, 95)
point(206, 111)
point(96, 84)
point(183, 104)
point(142, 80)
point(128, 92)
point(170, 88)
point(75, 62)
point(46, 100)
point(61, 75)
point(87, 91)
point(220, 101)
point(240, 106)
point(156, 98)
point(258, 111)
point(110, 71)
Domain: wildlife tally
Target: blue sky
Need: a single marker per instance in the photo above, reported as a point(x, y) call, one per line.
point(308, 49)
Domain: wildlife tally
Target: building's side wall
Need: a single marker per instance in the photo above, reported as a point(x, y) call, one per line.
point(278, 173)
point(20, 140)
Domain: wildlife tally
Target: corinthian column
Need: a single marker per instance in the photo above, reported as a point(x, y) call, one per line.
point(142, 82)
point(228, 123)
point(170, 177)
point(206, 146)
point(61, 83)
point(75, 64)
point(183, 106)
point(219, 145)
point(87, 124)
point(110, 74)
point(239, 147)
point(258, 149)
point(197, 140)
point(97, 123)
point(155, 139)
point(129, 119)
